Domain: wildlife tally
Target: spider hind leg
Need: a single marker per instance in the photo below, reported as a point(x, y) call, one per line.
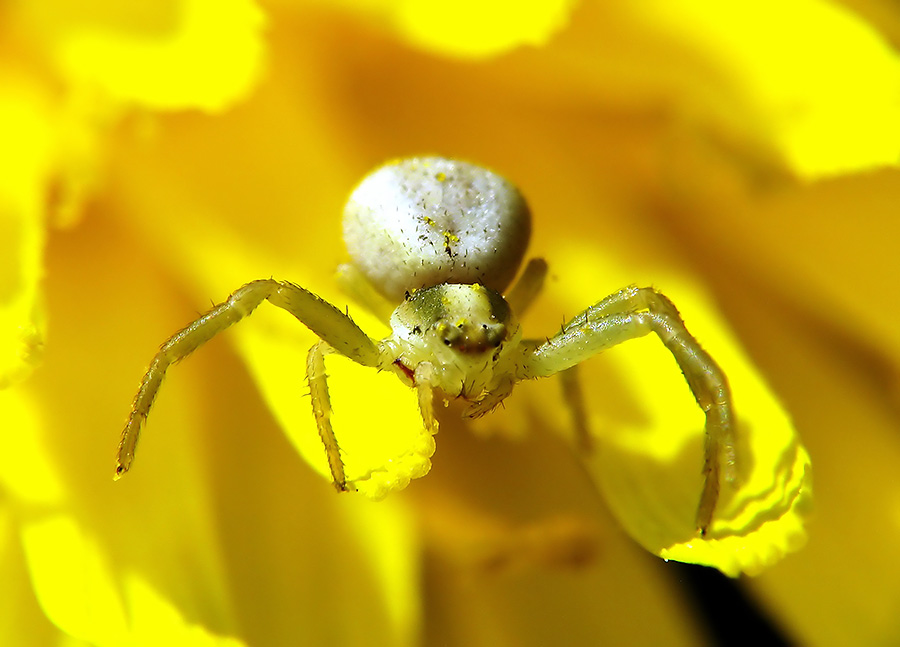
point(635, 312)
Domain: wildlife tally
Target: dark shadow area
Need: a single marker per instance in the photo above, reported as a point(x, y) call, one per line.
point(725, 610)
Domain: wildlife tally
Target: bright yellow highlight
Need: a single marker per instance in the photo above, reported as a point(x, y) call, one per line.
point(26, 471)
point(474, 28)
point(164, 56)
point(824, 84)
point(85, 597)
point(649, 443)
point(388, 536)
point(73, 581)
point(25, 167)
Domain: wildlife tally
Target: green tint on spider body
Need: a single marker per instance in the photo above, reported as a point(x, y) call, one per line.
point(468, 318)
point(450, 236)
point(467, 333)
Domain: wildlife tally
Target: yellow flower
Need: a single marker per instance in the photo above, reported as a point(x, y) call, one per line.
point(158, 157)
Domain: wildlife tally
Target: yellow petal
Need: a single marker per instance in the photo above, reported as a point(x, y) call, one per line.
point(850, 420)
point(79, 591)
point(25, 165)
point(157, 620)
point(113, 554)
point(161, 55)
point(830, 247)
point(472, 28)
point(73, 581)
point(23, 623)
point(649, 434)
point(810, 77)
point(522, 551)
point(25, 469)
point(468, 28)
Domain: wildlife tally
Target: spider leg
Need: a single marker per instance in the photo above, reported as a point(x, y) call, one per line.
point(356, 286)
point(490, 400)
point(573, 395)
point(634, 312)
point(422, 377)
point(321, 404)
point(526, 288)
point(330, 324)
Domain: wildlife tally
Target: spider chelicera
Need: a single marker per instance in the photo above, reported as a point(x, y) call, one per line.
point(444, 238)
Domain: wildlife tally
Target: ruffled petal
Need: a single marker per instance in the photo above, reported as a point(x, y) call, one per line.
point(649, 443)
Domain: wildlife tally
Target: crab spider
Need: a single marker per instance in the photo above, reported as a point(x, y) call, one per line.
point(445, 238)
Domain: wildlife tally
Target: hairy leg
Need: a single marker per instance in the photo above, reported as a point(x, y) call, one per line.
point(528, 286)
point(490, 400)
point(321, 405)
point(422, 377)
point(357, 287)
point(635, 312)
point(573, 395)
point(333, 326)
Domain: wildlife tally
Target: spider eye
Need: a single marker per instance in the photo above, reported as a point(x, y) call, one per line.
point(494, 335)
point(449, 334)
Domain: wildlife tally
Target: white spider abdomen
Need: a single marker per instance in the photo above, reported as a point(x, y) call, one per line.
point(423, 221)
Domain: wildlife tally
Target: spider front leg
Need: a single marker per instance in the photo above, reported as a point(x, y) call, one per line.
point(321, 405)
point(634, 312)
point(333, 326)
point(490, 400)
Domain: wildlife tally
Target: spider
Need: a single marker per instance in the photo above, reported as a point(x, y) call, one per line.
point(444, 238)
